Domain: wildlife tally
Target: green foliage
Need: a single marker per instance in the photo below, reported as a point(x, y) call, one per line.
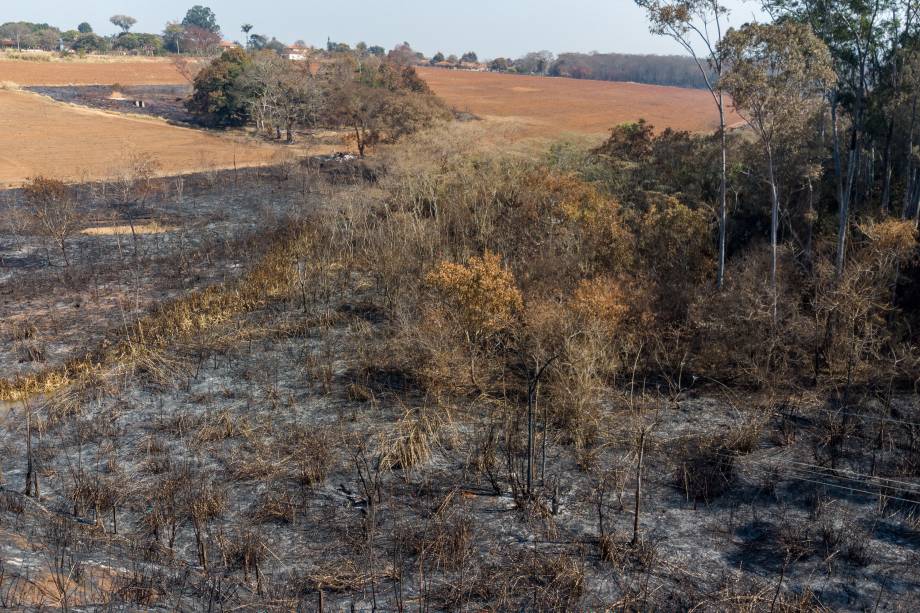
point(90, 43)
point(84, 28)
point(28, 35)
point(378, 101)
point(125, 22)
point(131, 41)
point(172, 37)
point(201, 17)
point(778, 74)
point(257, 42)
point(218, 100)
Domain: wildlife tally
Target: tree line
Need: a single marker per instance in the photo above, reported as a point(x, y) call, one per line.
point(198, 32)
point(676, 70)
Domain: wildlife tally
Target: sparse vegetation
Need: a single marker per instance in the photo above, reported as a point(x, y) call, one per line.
point(458, 375)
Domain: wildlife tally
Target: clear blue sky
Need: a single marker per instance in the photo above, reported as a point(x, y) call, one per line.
point(490, 27)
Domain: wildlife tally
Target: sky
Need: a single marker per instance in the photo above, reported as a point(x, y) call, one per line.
point(492, 28)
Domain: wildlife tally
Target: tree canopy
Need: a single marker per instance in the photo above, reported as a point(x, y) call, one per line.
point(125, 22)
point(201, 17)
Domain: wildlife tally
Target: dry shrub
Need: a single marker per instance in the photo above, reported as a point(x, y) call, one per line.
point(796, 539)
point(205, 500)
point(577, 383)
point(705, 468)
point(481, 294)
point(137, 588)
point(96, 492)
point(10, 502)
point(446, 542)
point(842, 537)
point(737, 338)
point(675, 251)
point(244, 550)
point(622, 553)
point(23, 331)
point(178, 424)
point(751, 595)
point(601, 300)
point(891, 238)
point(344, 576)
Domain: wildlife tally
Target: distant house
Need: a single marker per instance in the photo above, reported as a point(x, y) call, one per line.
point(227, 44)
point(7, 43)
point(297, 53)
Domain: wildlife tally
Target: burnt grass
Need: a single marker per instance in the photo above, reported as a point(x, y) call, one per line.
point(267, 465)
point(164, 101)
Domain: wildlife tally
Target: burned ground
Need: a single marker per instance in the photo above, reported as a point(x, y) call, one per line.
point(265, 453)
point(165, 101)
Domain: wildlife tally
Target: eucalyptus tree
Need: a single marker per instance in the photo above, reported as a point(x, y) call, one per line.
point(777, 75)
point(694, 23)
point(862, 37)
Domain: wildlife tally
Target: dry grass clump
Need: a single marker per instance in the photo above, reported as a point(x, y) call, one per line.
point(313, 453)
point(222, 425)
point(343, 576)
point(538, 581)
point(275, 505)
point(705, 468)
point(28, 56)
point(244, 551)
point(409, 443)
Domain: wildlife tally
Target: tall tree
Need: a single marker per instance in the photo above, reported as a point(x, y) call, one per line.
point(855, 32)
point(201, 17)
point(125, 22)
point(692, 23)
point(172, 36)
point(218, 99)
point(777, 75)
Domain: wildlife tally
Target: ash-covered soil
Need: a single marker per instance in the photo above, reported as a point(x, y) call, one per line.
point(268, 462)
point(189, 232)
point(165, 101)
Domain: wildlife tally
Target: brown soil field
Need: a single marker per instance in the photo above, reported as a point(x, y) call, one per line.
point(79, 72)
point(41, 137)
point(546, 106)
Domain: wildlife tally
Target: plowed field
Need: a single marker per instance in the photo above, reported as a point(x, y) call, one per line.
point(551, 106)
point(41, 137)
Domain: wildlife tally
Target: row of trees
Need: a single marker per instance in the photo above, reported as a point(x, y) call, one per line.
point(28, 35)
point(198, 32)
point(376, 99)
point(677, 70)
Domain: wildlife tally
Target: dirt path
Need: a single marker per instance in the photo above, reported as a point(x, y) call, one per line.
point(41, 137)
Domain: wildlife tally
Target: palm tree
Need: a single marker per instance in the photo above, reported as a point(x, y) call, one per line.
point(246, 27)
